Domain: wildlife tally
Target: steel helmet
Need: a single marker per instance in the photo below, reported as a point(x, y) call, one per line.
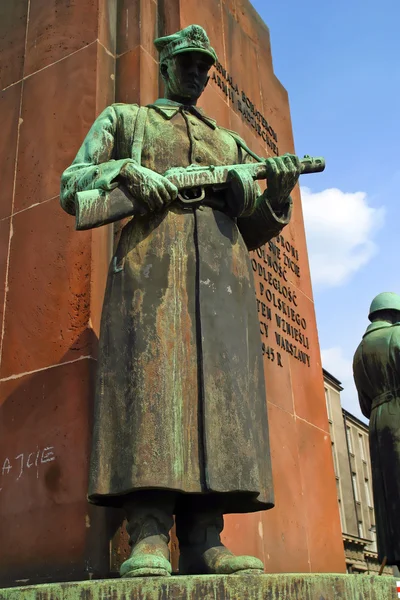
point(384, 301)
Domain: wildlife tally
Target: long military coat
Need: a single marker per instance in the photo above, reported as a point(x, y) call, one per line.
point(377, 376)
point(180, 401)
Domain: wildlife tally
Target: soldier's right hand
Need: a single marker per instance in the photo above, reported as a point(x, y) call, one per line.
point(149, 187)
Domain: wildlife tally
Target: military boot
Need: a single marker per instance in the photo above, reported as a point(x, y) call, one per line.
point(149, 523)
point(201, 549)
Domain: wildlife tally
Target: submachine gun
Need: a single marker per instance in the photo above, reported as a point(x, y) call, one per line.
point(97, 207)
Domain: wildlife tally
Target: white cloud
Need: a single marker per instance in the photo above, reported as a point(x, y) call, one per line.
point(340, 227)
point(341, 367)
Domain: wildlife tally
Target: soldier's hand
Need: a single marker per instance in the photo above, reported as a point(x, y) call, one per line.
point(149, 187)
point(282, 175)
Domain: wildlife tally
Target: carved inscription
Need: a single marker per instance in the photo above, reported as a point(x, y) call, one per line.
point(283, 329)
point(13, 468)
point(277, 303)
point(247, 109)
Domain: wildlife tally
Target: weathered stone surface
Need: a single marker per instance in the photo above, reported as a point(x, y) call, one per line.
point(57, 29)
point(38, 328)
point(45, 521)
point(13, 17)
point(48, 136)
point(4, 239)
point(9, 113)
point(265, 587)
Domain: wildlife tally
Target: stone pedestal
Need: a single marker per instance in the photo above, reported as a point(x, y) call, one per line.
point(234, 587)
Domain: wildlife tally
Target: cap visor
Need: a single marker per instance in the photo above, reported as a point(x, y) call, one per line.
point(195, 49)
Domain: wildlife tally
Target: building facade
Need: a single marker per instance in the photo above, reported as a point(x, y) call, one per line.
point(352, 464)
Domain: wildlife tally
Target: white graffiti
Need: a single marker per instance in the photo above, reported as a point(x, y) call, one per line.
point(14, 468)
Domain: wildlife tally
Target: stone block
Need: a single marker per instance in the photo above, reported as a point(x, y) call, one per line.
point(105, 79)
point(54, 124)
point(13, 17)
point(10, 101)
point(48, 530)
point(306, 374)
point(295, 235)
point(209, 16)
point(137, 77)
point(284, 530)
point(169, 18)
point(107, 24)
point(242, 59)
point(129, 35)
point(48, 302)
point(215, 104)
point(320, 501)
point(4, 241)
point(264, 587)
point(57, 29)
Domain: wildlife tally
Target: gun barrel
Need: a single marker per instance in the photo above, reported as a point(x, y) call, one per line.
point(310, 164)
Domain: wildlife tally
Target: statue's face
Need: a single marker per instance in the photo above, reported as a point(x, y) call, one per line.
point(186, 75)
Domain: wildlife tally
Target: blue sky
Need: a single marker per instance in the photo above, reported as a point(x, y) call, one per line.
point(340, 62)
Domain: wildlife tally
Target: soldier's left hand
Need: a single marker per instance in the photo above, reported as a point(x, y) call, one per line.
point(282, 175)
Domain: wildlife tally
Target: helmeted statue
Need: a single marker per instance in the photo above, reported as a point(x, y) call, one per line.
point(376, 369)
point(180, 423)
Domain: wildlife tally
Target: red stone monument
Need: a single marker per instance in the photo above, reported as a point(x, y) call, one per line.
point(61, 63)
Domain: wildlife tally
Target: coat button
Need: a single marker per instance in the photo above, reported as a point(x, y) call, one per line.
point(197, 137)
point(198, 159)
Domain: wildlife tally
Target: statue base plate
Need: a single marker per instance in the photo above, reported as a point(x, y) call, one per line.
point(216, 587)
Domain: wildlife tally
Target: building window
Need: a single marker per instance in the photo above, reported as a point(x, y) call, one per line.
point(360, 529)
point(367, 492)
point(355, 487)
point(349, 442)
point(340, 514)
point(362, 449)
point(328, 404)
point(334, 459)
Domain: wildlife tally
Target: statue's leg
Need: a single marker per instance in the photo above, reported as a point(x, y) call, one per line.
point(150, 519)
point(201, 549)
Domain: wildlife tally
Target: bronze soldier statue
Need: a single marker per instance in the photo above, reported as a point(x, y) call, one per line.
point(376, 369)
point(180, 424)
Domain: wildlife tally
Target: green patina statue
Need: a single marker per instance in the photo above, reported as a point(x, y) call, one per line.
point(180, 424)
point(376, 369)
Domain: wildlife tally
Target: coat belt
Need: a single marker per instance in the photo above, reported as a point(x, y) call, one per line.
point(385, 397)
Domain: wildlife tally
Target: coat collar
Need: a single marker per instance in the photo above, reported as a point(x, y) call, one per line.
point(379, 325)
point(169, 108)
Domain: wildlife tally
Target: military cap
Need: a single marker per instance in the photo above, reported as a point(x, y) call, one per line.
point(192, 38)
point(384, 301)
